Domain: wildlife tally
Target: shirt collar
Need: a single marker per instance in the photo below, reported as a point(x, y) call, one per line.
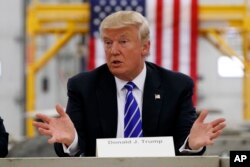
point(138, 81)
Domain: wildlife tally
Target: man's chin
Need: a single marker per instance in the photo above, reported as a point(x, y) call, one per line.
point(118, 73)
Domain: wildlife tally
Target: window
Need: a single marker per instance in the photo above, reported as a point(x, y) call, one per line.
point(230, 67)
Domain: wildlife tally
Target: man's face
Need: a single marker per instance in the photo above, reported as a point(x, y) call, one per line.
point(125, 53)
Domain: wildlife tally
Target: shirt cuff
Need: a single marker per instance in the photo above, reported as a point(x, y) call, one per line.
point(73, 148)
point(184, 149)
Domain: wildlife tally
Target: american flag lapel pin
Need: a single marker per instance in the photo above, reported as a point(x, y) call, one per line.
point(157, 96)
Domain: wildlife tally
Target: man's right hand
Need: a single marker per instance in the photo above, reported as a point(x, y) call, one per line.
point(60, 130)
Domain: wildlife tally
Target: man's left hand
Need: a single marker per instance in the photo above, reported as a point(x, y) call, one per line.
point(203, 134)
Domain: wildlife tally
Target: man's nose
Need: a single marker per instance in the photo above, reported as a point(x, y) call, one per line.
point(115, 49)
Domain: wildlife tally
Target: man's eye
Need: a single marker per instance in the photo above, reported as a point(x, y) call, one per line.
point(123, 41)
point(107, 43)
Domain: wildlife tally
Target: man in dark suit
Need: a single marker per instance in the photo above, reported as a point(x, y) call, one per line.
point(96, 99)
point(4, 138)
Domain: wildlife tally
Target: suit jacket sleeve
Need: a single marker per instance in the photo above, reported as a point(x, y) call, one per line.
point(187, 116)
point(88, 91)
point(74, 110)
point(4, 137)
point(173, 114)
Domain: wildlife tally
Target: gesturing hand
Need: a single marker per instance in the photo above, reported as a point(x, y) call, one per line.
point(60, 130)
point(203, 134)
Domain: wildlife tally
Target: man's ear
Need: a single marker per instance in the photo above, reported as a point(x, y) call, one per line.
point(145, 48)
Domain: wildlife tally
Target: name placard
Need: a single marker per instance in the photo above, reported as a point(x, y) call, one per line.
point(135, 147)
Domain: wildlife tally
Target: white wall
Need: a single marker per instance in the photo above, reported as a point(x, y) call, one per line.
point(11, 57)
point(216, 93)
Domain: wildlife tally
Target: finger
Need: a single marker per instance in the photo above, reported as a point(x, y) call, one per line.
point(208, 141)
point(40, 125)
point(215, 135)
point(51, 140)
point(217, 121)
point(60, 110)
point(44, 132)
point(219, 127)
point(43, 117)
point(202, 116)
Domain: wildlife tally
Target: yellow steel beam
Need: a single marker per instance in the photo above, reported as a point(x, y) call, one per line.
point(30, 99)
point(221, 17)
point(50, 53)
point(222, 12)
point(230, 16)
point(32, 69)
point(220, 43)
point(246, 77)
point(246, 92)
point(64, 20)
point(60, 30)
point(30, 84)
point(47, 18)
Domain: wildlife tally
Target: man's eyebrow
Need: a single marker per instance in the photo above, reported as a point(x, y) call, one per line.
point(106, 38)
point(123, 35)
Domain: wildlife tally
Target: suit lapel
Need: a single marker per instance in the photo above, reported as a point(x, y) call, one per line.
point(152, 101)
point(107, 102)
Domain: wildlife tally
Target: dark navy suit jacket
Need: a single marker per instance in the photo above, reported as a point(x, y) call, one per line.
point(4, 138)
point(92, 106)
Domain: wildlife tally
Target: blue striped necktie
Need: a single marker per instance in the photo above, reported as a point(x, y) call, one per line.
point(132, 117)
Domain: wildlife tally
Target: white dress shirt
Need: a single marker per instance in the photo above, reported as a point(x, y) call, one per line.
point(139, 81)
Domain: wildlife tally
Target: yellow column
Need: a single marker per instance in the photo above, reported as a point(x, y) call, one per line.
point(30, 85)
point(30, 100)
point(43, 19)
point(246, 78)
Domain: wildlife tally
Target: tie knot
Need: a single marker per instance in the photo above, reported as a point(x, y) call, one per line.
point(130, 86)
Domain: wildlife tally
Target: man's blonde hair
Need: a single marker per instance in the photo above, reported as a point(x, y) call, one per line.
point(127, 18)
